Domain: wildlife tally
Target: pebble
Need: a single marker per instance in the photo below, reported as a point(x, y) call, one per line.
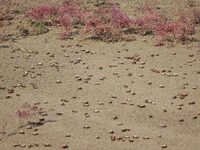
point(164, 110)
point(181, 120)
point(96, 111)
point(21, 132)
point(192, 103)
point(195, 117)
point(101, 103)
point(133, 93)
point(113, 138)
point(115, 118)
point(135, 136)
point(131, 140)
point(45, 102)
point(163, 126)
point(16, 145)
point(146, 138)
point(58, 81)
point(164, 146)
point(29, 127)
point(125, 130)
point(150, 116)
point(10, 91)
point(40, 64)
point(22, 145)
point(86, 127)
point(35, 133)
point(141, 106)
point(59, 113)
point(161, 86)
point(74, 111)
point(114, 96)
point(8, 96)
point(64, 146)
point(126, 136)
point(141, 75)
point(67, 135)
point(111, 131)
point(33, 145)
point(2, 88)
point(47, 145)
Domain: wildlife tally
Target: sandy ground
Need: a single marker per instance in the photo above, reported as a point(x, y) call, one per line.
point(100, 96)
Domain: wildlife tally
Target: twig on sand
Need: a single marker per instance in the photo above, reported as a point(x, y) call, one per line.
point(3, 128)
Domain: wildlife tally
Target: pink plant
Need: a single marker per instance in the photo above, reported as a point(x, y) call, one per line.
point(179, 28)
point(65, 14)
point(109, 20)
point(39, 12)
point(71, 8)
point(150, 20)
point(91, 23)
point(102, 30)
point(65, 35)
point(105, 19)
point(114, 15)
point(145, 8)
point(65, 21)
point(159, 42)
point(120, 19)
point(26, 111)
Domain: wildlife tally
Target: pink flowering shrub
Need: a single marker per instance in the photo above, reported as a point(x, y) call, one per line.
point(27, 111)
point(107, 21)
point(150, 20)
point(117, 17)
point(104, 22)
point(65, 14)
point(174, 29)
point(120, 19)
point(179, 29)
point(39, 12)
point(66, 21)
point(71, 8)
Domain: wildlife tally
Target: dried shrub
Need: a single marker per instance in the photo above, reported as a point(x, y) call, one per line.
point(34, 27)
point(3, 128)
point(7, 7)
point(38, 27)
point(106, 33)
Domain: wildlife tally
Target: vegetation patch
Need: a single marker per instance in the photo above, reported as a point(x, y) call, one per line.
point(108, 22)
